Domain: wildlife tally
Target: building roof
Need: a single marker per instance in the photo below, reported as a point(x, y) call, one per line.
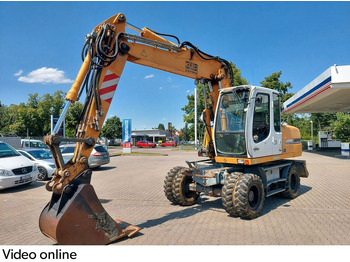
point(149, 132)
point(329, 92)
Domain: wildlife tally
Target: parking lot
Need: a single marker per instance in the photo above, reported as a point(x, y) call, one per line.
point(131, 189)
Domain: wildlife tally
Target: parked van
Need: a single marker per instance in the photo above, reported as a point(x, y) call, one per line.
point(32, 143)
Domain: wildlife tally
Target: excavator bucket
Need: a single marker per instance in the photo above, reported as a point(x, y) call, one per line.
point(76, 217)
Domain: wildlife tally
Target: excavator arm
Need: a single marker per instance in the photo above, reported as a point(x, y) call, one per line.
point(74, 215)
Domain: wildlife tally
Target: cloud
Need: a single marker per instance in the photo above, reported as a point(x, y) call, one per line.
point(45, 75)
point(160, 88)
point(149, 76)
point(188, 91)
point(19, 73)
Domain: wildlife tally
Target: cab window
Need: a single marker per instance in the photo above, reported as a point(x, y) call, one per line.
point(276, 113)
point(261, 118)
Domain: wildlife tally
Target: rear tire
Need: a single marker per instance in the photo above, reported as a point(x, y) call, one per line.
point(168, 183)
point(181, 192)
point(227, 195)
point(292, 184)
point(249, 196)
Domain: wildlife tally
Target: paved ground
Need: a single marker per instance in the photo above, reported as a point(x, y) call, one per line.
point(131, 189)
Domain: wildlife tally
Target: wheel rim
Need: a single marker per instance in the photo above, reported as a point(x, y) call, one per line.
point(186, 187)
point(42, 173)
point(253, 196)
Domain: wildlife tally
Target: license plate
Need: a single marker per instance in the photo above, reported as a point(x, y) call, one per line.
point(24, 177)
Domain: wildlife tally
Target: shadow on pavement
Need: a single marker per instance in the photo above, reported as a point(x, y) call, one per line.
point(276, 201)
point(103, 168)
point(205, 203)
point(24, 187)
point(187, 212)
point(330, 152)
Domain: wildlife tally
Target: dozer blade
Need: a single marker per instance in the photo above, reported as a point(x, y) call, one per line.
point(76, 217)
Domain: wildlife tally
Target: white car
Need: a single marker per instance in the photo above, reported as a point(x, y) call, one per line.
point(15, 169)
point(44, 161)
point(32, 143)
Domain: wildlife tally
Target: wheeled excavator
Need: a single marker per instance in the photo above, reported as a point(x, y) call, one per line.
point(248, 150)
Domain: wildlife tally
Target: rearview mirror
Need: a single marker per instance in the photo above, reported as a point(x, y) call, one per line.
point(258, 101)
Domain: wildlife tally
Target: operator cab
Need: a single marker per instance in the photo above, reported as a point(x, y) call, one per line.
point(247, 122)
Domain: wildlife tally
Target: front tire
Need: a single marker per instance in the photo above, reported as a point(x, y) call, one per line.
point(181, 191)
point(249, 196)
point(168, 183)
point(227, 194)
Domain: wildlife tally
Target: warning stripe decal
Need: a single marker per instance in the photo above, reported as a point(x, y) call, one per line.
point(109, 85)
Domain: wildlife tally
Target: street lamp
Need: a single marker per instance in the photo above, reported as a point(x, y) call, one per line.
point(312, 130)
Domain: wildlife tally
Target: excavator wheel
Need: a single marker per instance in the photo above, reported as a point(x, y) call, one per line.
point(293, 184)
point(76, 217)
point(249, 196)
point(180, 189)
point(168, 182)
point(227, 194)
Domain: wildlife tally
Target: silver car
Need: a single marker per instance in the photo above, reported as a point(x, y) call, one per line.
point(44, 161)
point(99, 155)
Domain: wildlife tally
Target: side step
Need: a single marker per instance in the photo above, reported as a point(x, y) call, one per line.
point(277, 190)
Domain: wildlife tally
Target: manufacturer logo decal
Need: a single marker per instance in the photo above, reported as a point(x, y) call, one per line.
point(191, 68)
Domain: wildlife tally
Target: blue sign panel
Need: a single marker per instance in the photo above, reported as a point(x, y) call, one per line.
point(61, 130)
point(126, 130)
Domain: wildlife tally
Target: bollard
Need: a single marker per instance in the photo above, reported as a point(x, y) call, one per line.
point(345, 149)
point(310, 145)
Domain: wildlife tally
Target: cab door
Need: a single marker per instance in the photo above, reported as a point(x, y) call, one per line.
point(263, 131)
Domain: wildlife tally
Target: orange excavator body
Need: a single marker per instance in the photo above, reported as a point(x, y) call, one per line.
point(75, 215)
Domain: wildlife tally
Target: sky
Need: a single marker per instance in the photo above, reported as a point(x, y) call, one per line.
point(41, 43)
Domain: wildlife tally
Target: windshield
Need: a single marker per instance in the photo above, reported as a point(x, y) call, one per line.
point(230, 123)
point(40, 154)
point(7, 151)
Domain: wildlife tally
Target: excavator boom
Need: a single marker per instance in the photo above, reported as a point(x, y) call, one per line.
point(75, 215)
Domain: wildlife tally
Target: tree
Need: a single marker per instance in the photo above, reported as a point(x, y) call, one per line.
point(189, 108)
point(112, 128)
point(341, 127)
point(273, 82)
point(3, 117)
point(161, 127)
point(72, 118)
point(34, 116)
point(237, 77)
point(322, 121)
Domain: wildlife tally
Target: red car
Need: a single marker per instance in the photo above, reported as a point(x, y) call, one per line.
point(144, 143)
point(169, 143)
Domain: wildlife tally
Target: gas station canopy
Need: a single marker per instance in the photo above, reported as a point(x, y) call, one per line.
point(329, 92)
